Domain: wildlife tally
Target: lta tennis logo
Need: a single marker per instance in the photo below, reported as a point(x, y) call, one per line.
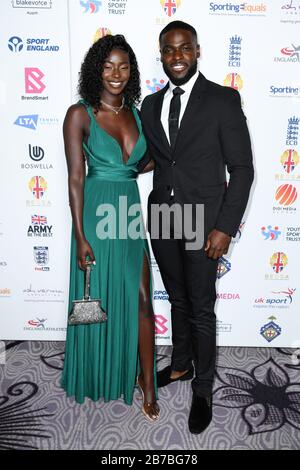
point(170, 6)
point(233, 80)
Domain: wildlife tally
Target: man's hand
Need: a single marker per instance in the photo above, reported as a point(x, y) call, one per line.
point(217, 244)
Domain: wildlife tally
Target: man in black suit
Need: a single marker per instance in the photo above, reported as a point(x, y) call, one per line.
point(195, 129)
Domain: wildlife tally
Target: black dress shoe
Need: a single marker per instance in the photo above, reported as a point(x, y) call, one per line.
point(163, 376)
point(200, 414)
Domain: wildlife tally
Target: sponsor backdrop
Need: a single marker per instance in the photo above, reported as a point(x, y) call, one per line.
point(253, 47)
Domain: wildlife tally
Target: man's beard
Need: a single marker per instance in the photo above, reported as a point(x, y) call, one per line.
point(181, 81)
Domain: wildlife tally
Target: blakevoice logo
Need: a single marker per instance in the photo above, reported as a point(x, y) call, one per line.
point(32, 4)
point(284, 91)
point(258, 9)
point(16, 44)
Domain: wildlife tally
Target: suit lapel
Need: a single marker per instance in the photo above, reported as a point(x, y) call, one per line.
point(157, 125)
point(193, 106)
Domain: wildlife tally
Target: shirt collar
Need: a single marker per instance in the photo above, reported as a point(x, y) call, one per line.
point(187, 87)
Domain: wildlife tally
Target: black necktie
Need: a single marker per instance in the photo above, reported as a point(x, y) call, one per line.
point(174, 113)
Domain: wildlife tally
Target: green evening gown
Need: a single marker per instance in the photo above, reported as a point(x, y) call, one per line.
point(101, 360)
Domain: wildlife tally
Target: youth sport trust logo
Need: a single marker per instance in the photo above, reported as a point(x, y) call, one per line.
point(170, 6)
point(270, 233)
point(91, 6)
point(155, 85)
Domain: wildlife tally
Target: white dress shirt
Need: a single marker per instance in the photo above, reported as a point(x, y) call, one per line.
point(187, 87)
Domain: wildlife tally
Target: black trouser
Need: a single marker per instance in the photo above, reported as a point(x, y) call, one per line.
point(189, 277)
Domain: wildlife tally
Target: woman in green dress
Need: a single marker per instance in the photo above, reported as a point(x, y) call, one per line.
point(104, 130)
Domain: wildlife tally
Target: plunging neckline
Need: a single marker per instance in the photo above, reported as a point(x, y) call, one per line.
point(116, 141)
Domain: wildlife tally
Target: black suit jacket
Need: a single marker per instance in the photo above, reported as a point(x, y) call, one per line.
point(213, 135)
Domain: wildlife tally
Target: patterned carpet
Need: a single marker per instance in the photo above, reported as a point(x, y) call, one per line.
point(256, 405)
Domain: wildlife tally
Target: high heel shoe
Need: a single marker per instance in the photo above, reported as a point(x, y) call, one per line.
point(150, 410)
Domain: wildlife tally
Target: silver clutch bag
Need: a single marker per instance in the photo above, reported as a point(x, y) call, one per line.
point(87, 310)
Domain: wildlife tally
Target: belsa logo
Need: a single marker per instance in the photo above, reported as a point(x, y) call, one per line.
point(37, 186)
point(278, 261)
point(233, 80)
point(286, 194)
point(289, 160)
point(170, 6)
point(100, 33)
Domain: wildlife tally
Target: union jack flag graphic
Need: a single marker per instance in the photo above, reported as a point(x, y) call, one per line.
point(38, 220)
point(170, 6)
